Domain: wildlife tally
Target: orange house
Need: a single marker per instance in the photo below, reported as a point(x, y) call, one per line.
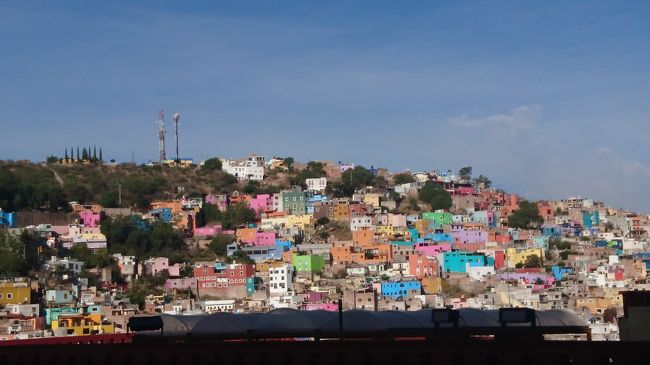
point(246, 235)
point(342, 211)
point(174, 205)
point(361, 255)
point(546, 211)
point(363, 237)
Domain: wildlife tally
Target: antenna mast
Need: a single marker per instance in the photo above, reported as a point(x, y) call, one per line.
point(176, 116)
point(161, 136)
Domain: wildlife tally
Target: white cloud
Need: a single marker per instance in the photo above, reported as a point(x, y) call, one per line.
point(628, 167)
point(519, 118)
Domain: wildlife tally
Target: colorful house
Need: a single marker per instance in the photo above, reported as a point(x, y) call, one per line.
point(7, 220)
point(519, 256)
point(400, 289)
point(438, 219)
point(15, 291)
point(81, 325)
point(308, 263)
point(457, 261)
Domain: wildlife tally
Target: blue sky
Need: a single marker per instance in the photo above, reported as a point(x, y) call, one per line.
point(548, 98)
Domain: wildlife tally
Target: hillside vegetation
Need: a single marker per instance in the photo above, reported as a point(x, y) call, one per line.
point(49, 187)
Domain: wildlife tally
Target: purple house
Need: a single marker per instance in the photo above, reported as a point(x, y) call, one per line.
point(463, 236)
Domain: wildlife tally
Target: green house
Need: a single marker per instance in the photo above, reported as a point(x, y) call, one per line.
point(308, 263)
point(438, 219)
point(295, 202)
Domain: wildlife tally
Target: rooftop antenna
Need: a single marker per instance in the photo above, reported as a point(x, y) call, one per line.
point(161, 136)
point(176, 117)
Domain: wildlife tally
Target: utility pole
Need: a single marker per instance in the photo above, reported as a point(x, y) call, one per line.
point(161, 136)
point(176, 117)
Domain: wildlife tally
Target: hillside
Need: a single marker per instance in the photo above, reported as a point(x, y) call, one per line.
point(49, 187)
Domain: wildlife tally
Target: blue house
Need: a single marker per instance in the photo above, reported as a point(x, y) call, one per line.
point(551, 231)
point(456, 261)
point(52, 314)
point(440, 237)
point(560, 273)
point(400, 289)
point(7, 220)
point(163, 214)
point(590, 219)
point(415, 235)
point(59, 296)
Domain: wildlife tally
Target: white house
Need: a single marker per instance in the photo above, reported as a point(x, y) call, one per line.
point(316, 184)
point(357, 223)
point(213, 306)
point(281, 280)
point(249, 169)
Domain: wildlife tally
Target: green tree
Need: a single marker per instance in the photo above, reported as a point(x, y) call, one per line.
point(533, 261)
point(109, 199)
point(483, 181)
point(236, 215)
point(212, 164)
point(11, 254)
point(52, 159)
point(403, 178)
point(435, 195)
point(241, 257)
point(526, 217)
point(208, 214)
point(84, 154)
point(465, 173)
point(288, 163)
point(219, 243)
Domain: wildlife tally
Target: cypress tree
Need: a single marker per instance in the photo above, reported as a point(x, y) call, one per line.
point(78, 154)
point(94, 153)
point(84, 154)
point(101, 158)
point(66, 154)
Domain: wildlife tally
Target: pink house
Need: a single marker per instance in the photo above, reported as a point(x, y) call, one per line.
point(207, 231)
point(321, 306)
point(89, 218)
point(465, 190)
point(264, 238)
point(261, 203)
point(156, 265)
point(431, 249)
point(471, 247)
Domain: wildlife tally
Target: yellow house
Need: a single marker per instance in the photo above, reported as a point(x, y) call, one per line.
point(80, 325)
point(299, 221)
point(266, 265)
point(385, 230)
point(272, 223)
point(372, 199)
point(15, 291)
point(518, 256)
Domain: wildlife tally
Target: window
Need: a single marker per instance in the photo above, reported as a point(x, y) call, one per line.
point(10, 296)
